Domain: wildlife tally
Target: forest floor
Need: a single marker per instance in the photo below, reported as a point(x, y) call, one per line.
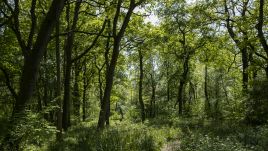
point(171, 146)
point(162, 134)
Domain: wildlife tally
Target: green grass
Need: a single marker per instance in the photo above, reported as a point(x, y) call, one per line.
point(187, 134)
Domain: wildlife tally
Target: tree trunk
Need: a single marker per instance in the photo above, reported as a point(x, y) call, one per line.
point(85, 84)
point(266, 71)
point(240, 44)
point(183, 82)
point(207, 102)
point(68, 52)
point(29, 73)
point(116, 47)
point(140, 87)
point(108, 86)
point(245, 68)
point(76, 95)
point(45, 84)
point(106, 56)
point(58, 86)
point(261, 34)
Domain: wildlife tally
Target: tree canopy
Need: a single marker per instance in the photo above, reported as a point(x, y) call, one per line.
point(134, 75)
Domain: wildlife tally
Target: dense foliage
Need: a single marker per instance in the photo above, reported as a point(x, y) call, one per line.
point(105, 75)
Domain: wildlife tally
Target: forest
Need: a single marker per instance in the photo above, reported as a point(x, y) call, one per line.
point(133, 75)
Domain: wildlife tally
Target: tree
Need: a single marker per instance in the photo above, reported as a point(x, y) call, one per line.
point(117, 35)
point(32, 53)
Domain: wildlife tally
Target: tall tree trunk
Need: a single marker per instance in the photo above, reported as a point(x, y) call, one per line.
point(58, 83)
point(183, 80)
point(116, 47)
point(261, 34)
point(266, 71)
point(76, 95)
point(85, 84)
point(108, 86)
point(68, 52)
point(140, 87)
point(67, 73)
point(30, 70)
point(45, 84)
point(245, 68)
point(240, 44)
point(207, 102)
point(106, 56)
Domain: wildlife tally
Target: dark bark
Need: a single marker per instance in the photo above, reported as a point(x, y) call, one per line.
point(30, 70)
point(184, 76)
point(266, 71)
point(76, 94)
point(45, 86)
point(183, 81)
point(8, 83)
point(84, 104)
point(100, 81)
point(106, 56)
point(116, 47)
point(140, 86)
point(240, 44)
point(261, 36)
point(207, 101)
point(245, 66)
point(85, 84)
point(58, 84)
point(260, 26)
point(68, 52)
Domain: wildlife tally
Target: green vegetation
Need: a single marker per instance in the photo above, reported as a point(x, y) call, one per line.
point(133, 75)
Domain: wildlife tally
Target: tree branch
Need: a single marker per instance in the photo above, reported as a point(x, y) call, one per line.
point(12, 91)
point(116, 16)
point(33, 20)
point(92, 44)
point(259, 28)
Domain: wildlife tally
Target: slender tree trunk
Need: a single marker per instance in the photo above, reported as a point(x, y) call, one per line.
point(240, 44)
point(76, 95)
point(58, 86)
point(45, 82)
point(106, 56)
point(116, 47)
point(207, 102)
point(85, 83)
point(261, 34)
point(140, 87)
point(180, 93)
point(266, 71)
point(108, 86)
point(245, 68)
point(68, 52)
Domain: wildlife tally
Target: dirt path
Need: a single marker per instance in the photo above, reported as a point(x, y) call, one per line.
point(171, 146)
